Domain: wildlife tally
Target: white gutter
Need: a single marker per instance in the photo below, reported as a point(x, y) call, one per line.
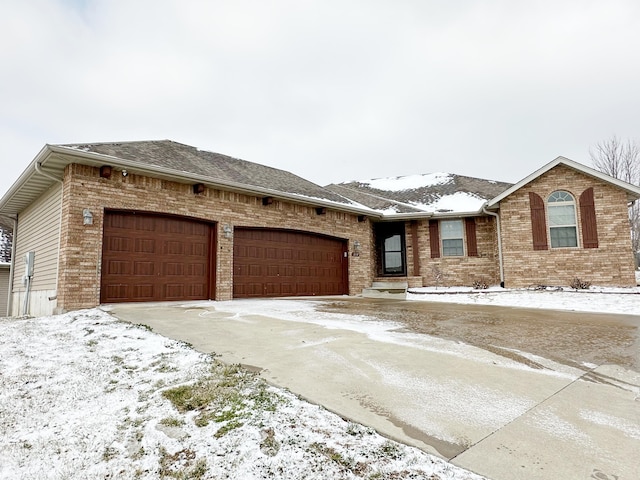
point(38, 168)
point(427, 214)
point(498, 231)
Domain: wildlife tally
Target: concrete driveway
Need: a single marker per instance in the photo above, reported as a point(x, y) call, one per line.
point(484, 401)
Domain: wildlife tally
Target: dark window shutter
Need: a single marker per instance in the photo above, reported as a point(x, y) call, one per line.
point(472, 242)
point(538, 222)
point(434, 238)
point(588, 216)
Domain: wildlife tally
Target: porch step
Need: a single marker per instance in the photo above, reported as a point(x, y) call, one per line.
point(386, 290)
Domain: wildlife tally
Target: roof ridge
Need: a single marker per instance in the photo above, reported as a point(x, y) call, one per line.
point(390, 200)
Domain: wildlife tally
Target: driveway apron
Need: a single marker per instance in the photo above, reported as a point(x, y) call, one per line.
point(487, 411)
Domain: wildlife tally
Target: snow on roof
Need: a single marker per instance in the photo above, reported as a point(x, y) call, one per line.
point(427, 194)
point(457, 202)
point(410, 182)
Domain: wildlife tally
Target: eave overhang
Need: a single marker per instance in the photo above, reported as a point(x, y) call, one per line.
point(53, 159)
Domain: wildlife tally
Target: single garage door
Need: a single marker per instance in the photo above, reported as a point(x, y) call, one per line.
point(281, 263)
point(148, 257)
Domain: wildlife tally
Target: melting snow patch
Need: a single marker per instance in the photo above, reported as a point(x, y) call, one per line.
point(83, 396)
point(598, 299)
point(628, 428)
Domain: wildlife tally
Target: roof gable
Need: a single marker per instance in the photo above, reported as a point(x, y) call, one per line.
point(633, 192)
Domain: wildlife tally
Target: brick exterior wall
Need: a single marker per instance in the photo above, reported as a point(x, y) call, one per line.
point(461, 271)
point(450, 271)
point(81, 245)
point(609, 264)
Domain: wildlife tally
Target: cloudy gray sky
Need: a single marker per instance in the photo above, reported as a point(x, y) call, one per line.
point(330, 90)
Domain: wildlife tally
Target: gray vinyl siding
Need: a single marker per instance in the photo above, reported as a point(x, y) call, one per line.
point(4, 289)
point(39, 231)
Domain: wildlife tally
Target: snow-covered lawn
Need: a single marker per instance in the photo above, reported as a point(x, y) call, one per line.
point(594, 299)
point(84, 395)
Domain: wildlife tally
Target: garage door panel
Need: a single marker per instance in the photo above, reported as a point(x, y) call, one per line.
point(117, 292)
point(142, 291)
point(173, 268)
point(174, 291)
point(147, 258)
point(143, 268)
point(119, 244)
point(286, 263)
point(175, 248)
point(145, 245)
point(144, 224)
point(118, 267)
point(198, 250)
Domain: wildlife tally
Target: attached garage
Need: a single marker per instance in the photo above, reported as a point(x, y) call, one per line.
point(281, 263)
point(148, 257)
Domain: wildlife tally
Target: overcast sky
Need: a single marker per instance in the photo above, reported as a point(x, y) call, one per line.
point(330, 90)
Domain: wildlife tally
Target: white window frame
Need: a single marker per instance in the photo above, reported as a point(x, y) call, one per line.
point(561, 199)
point(447, 237)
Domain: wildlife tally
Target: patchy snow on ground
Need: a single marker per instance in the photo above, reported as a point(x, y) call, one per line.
point(85, 395)
point(594, 299)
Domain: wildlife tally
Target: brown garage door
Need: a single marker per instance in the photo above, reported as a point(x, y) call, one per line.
point(280, 263)
point(154, 258)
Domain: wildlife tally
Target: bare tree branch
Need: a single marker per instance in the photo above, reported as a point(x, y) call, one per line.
point(622, 161)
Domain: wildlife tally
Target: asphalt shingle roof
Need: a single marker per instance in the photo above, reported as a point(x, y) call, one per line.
point(425, 198)
point(184, 158)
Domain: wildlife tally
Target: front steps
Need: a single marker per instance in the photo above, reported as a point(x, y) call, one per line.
point(386, 289)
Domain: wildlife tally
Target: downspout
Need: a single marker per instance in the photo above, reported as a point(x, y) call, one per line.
point(38, 168)
point(499, 233)
point(12, 267)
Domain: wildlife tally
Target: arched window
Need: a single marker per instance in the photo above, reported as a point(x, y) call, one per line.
point(561, 208)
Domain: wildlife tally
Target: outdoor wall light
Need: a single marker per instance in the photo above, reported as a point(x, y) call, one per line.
point(227, 231)
point(124, 173)
point(87, 217)
point(105, 171)
point(356, 249)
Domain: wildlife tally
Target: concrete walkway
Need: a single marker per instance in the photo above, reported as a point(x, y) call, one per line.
point(496, 417)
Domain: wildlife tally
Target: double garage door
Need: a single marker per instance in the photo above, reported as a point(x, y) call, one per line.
point(149, 257)
point(155, 258)
point(282, 263)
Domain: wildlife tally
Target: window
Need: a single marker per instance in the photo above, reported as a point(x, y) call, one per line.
point(452, 238)
point(561, 208)
point(393, 255)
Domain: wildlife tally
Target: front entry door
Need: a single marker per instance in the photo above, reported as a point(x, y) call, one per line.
point(390, 242)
